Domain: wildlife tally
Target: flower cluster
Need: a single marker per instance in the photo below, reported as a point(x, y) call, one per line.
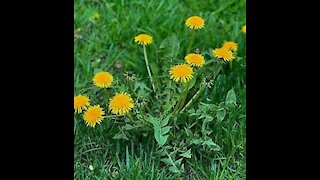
point(226, 51)
point(119, 104)
point(122, 103)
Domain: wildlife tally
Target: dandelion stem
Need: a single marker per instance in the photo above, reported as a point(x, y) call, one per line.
point(193, 98)
point(148, 68)
point(113, 116)
point(191, 41)
point(182, 98)
point(177, 106)
point(130, 117)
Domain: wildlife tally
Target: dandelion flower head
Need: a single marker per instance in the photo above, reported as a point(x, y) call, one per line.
point(143, 39)
point(230, 46)
point(195, 59)
point(223, 53)
point(80, 103)
point(195, 22)
point(94, 115)
point(103, 79)
point(181, 72)
point(121, 103)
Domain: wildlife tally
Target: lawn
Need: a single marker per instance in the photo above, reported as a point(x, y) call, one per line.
point(175, 130)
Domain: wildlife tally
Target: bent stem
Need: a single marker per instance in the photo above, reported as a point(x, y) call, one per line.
point(193, 98)
point(148, 68)
point(113, 116)
point(182, 99)
point(200, 90)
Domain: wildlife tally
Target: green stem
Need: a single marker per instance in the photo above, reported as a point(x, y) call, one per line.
point(182, 99)
point(199, 92)
point(193, 98)
point(130, 117)
point(112, 116)
point(191, 41)
point(148, 68)
point(177, 106)
point(172, 161)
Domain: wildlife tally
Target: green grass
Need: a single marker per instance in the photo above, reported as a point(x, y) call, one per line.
point(107, 44)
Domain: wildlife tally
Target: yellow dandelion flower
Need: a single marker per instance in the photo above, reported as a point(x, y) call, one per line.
point(143, 39)
point(230, 46)
point(195, 22)
point(244, 28)
point(195, 59)
point(225, 54)
point(95, 16)
point(103, 79)
point(80, 103)
point(121, 103)
point(94, 115)
point(182, 72)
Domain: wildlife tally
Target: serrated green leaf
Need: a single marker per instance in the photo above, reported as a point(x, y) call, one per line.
point(209, 106)
point(120, 135)
point(163, 140)
point(157, 135)
point(158, 131)
point(178, 162)
point(212, 145)
point(174, 169)
point(231, 97)
point(186, 154)
point(196, 141)
point(221, 114)
point(167, 161)
point(142, 93)
point(188, 132)
point(202, 116)
point(165, 130)
point(169, 105)
point(154, 121)
point(208, 119)
point(207, 132)
point(128, 127)
point(182, 168)
point(165, 121)
point(191, 111)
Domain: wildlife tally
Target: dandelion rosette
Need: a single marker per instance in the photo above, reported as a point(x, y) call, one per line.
point(181, 72)
point(143, 39)
point(195, 59)
point(195, 22)
point(94, 115)
point(103, 79)
point(121, 103)
point(80, 103)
